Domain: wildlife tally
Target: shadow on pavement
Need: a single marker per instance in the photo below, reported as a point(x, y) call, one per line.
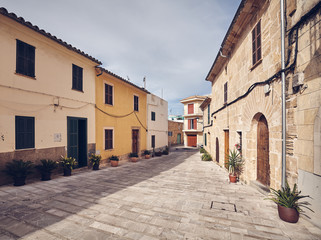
point(27, 209)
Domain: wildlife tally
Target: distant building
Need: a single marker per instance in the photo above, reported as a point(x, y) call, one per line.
point(193, 121)
point(120, 116)
point(207, 122)
point(175, 133)
point(157, 124)
point(177, 118)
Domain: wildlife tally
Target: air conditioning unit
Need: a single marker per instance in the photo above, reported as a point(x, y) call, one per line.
point(298, 80)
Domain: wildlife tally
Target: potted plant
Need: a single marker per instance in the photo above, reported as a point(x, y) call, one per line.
point(234, 164)
point(45, 168)
point(68, 163)
point(159, 153)
point(95, 160)
point(166, 151)
point(206, 157)
point(133, 157)
point(114, 161)
point(289, 207)
point(202, 150)
point(19, 170)
point(147, 154)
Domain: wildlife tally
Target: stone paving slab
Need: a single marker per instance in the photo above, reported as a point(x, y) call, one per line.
point(170, 197)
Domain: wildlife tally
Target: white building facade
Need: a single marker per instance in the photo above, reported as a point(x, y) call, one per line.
point(193, 121)
point(157, 123)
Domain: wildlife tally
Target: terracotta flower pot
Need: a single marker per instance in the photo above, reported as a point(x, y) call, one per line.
point(134, 159)
point(113, 163)
point(147, 156)
point(67, 172)
point(290, 215)
point(232, 178)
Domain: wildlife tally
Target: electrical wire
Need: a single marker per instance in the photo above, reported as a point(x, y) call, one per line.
point(122, 116)
point(286, 70)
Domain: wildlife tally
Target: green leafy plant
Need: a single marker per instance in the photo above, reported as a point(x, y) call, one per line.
point(166, 150)
point(289, 198)
point(206, 157)
point(202, 150)
point(18, 168)
point(114, 158)
point(94, 159)
point(68, 162)
point(47, 165)
point(133, 155)
point(146, 152)
point(234, 162)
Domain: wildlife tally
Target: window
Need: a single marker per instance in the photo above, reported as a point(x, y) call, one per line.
point(192, 124)
point(170, 134)
point(153, 141)
point(205, 140)
point(76, 78)
point(25, 61)
point(108, 139)
point(225, 93)
point(136, 103)
point(25, 132)
point(208, 113)
point(256, 43)
point(108, 94)
point(190, 108)
point(153, 116)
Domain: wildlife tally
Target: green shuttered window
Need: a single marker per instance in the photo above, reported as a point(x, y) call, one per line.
point(25, 61)
point(25, 132)
point(77, 76)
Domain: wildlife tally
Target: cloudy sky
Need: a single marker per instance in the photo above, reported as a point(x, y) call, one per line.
point(171, 42)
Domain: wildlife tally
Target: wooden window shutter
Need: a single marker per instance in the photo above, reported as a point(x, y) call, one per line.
point(256, 43)
point(189, 124)
point(195, 123)
point(108, 139)
point(190, 108)
point(108, 94)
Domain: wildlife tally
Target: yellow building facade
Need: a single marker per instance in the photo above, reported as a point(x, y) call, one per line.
point(121, 123)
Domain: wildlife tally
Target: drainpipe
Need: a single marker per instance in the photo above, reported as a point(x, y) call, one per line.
point(283, 94)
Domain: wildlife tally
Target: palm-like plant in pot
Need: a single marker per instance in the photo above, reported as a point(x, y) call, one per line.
point(45, 168)
point(95, 161)
point(234, 164)
point(114, 161)
point(19, 170)
point(68, 163)
point(289, 207)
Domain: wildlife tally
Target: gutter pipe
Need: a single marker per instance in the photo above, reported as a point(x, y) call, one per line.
point(283, 94)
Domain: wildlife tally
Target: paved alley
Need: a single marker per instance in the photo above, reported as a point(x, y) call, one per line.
point(170, 197)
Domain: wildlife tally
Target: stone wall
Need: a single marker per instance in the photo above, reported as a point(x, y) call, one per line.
point(176, 128)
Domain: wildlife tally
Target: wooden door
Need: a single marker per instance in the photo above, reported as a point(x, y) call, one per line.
point(192, 140)
point(217, 151)
point(178, 138)
point(263, 164)
point(135, 133)
point(226, 146)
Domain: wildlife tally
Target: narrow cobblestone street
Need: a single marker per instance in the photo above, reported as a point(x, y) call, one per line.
point(169, 197)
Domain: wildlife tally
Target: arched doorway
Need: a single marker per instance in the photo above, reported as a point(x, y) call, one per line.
point(217, 151)
point(263, 163)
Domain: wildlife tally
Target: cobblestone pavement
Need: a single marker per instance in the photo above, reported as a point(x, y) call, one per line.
point(169, 197)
